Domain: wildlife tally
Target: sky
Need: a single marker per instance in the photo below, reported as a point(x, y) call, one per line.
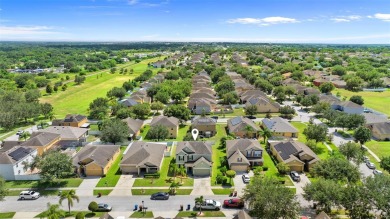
point(265, 21)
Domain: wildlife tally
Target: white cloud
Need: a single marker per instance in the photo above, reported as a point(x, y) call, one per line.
point(132, 2)
point(346, 18)
point(383, 17)
point(26, 30)
point(151, 36)
point(340, 20)
point(263, 21)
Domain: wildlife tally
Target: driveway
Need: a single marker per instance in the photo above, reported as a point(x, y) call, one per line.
point(202, 186)
point(15, 137)
point(124, 185)
point(87, 186)
point(239, 184)
point(299, 189)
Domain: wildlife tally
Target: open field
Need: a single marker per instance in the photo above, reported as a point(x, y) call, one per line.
point(378, 101)
point(76, 98)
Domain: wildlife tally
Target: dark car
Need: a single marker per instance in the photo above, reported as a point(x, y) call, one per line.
point(233, 203)
point(104, 207)
point(160, 196)
point(295, 176)
point(251, 117)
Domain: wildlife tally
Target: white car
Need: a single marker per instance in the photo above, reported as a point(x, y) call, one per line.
point(377, 172)
point(246, 178)
point(370, 165)
point(209, 204)
point(29, 195)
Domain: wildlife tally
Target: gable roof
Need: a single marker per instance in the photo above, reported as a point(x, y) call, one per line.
point(195, 147)
point(15, 154)
point(259, 100)
point(277, 124)
point(293, 150)
point(99, 154)
point(41, 139)
point(322, 215)
point(165, 121)
point(239, 123)
point(372, 118)
point(203, 120)
point(382, 128)
point(66, 132)
point(242, 145)
point(233, 158)
point(74, 118)
point(143, 153)
point(133, 124)
point(129, 102)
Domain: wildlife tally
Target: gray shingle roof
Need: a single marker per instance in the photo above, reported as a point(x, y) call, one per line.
point(144, 153)
point(15, 154)
point(239, 123)
point(99, 154)
point(197, 147)
point(74, 118)
point(41, 139)
point(383, 128)
point(165, 121)
point(66, 132)
point(278, 124)
point(203, 120)
point(133, 124)
point(242, 145)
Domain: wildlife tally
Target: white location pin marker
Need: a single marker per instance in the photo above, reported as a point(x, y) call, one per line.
point(195, 133)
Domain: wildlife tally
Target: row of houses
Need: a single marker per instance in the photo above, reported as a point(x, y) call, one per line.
point(203, 98)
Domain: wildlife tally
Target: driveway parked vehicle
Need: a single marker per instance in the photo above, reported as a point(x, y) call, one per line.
point(209, 204)
point(370, 165)
point(29, 195)
point(233, 203)
point(160, 196)
point(104, 207)
point(377, 172)
point(246, 178)
point(19, 132)
point(295, 176)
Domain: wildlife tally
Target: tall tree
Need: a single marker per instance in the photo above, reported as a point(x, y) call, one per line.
point(379, 193)
point(54, 211)
point(385, 163)
point(69, 195)
point(326, 87)
point(316, 132)
point(266, 133)
point(55, 165)
point(355, 199)
point(269, 199)
point(179, 111)
point(336, 168)
point(352, 151)
point(357, 99)
point(251, 110)
point(141, 111)
point(46, 109)
point(362, 134)
point(158, 132)
point(24, 135)
point(114, 130)
point(3, 189)
point(326, 193)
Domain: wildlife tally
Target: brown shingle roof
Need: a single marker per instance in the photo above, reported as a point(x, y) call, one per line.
point(66, 132)
point(197, 147)
point(239, 123)
point(241, 145)
point(144, 153)
point(41, 139)
point(99, 154)
point(278, 124)
point(133, 124)
point(165, 121)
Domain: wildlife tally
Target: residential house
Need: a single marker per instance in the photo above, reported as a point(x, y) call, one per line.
point(13, 161)
point(195, 156)
point(134, 125)
point(372, 118)
point(171, 123)
point(202, 95)
point(380, 131)
point(69, 136)
point(95, 160)
point(205, 90)
point(280, 127)
point(243, 153)
point(129, 102)
point(248, 94)
point(143, 157)
point(72, 120)
point(296, 155)
point(242, 127)
point(201, 105)
point(205, 125)
point(345, 106)
point(290, 81)
point(42, 141)
point(263, 104)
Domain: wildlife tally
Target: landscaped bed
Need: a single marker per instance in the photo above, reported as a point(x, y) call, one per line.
point(72, 214)
point(7, 215)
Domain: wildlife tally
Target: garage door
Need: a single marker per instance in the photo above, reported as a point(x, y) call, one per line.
point(296, 168)
point(129, 169)
point(201, 172)
point(239, 167)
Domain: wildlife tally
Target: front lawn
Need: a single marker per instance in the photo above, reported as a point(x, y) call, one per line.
point(204, 214)
point(72, 214)
point(152, 191)
point(380, 148)
point(71, 182)
point(7, 215)
point(102, 191)
point(272, 170)
point(222, 191)
point(113, 174)
point(139, 214)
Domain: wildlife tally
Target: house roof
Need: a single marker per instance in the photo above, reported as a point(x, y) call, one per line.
point(98, 154)
point(242, 215)
point(41, 139)
point(202, 95)
point(129, 102)
point(74, 118)
point(251, 93)
point(239, 123)
point(292, 150)
point(143, 153)
point(194, 147)
point(207, 90)
point(165, 121)
point(350, 104)
point(7, 145)
point(242, 145)
point(382, 128)
point(322, 215)
point(372, 118)
point(15, 154)
point(203, 120)
point(66, 132)
point(133, 124)
point(233, 158)
point(260, 100)
point(277, 124)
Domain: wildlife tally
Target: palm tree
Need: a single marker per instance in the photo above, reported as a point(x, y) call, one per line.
point(266, 133)
point(173, 187)
point(34, 163)
point(26, 165)
point(199, 201)
point(248, 129)
point(182, 171)
point(24, 135)
point(173, 168)
point(54, 211)
point(69, 195)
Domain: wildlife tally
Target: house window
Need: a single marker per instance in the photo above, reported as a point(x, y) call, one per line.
point(19, 172)
point(190, 157)
point(239, 159)
point(257, 153)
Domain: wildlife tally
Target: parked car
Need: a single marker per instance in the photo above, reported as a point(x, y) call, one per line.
point(370, 165)
point(209, 204)
point(160, 196)
point(233, 203)
point(295, 176)
point(29, 195)
point(251, 117)
point(246, 178)
point(104, 207)
point(19, 132)
point(377, 172)
point(365, 158)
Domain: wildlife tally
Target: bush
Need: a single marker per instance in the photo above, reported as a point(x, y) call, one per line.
point(219, 178)
point(93, 206)
point(257, 170)
point(80, 215)
point(152, 175)
point(265, 168)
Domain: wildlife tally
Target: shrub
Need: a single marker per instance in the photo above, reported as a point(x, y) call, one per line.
point(80, 215)
point(219, 178)
point(265, 168)
point(282, 168)
point(257, 171)
point(152, 175)
point(93, 206)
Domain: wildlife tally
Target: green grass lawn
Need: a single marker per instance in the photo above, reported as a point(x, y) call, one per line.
point(72, 214)
point(164, 176)
point(204, 214)
point(76, 99)
point(71, 182)
point(222, 191)
point(272, 170)
point(139, 214)
point(380, 148)
point(376, 100)
point(152, 191)
point(241, 112)
point(113, 174)
point(7, 215)
point(102, 191)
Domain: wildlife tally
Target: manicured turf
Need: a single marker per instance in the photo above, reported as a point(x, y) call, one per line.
point(72, 182)
point(102, 191)
point(380, 148)
point(376, 100)
point(204, 214)
point(72, 214)
point(7, 215)
point(76, 99)
point(152, 191)
point(217, 153)
point(139, 214)
point(113, 174)
point(272, 170)
point(222, 191)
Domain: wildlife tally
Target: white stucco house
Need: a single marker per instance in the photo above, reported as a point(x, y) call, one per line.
point(12, 163)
